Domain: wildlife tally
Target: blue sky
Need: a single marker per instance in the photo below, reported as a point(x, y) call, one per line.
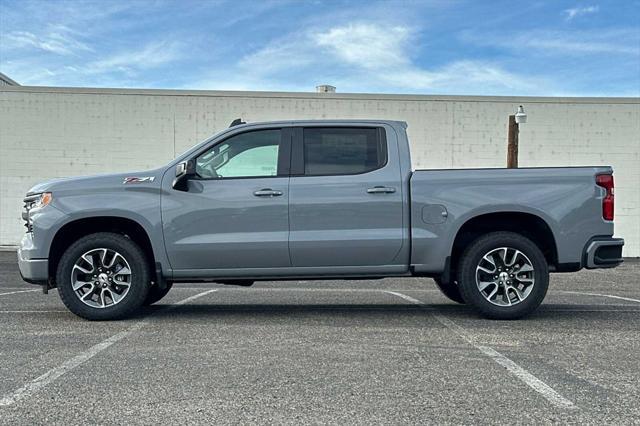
point(555, 48)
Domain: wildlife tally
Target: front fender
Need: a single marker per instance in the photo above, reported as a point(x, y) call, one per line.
point(138, 204)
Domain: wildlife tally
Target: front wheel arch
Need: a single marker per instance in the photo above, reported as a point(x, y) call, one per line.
point(74, 230)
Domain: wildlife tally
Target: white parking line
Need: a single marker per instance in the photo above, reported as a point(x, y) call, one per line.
point(53, 374)
point(405, 297)
point(22, 287)
point(610, 296)
point(529, 379)
point(188, 299)
point(328, 289)
point(16, 292)
point(595, 310)
point(29, 312)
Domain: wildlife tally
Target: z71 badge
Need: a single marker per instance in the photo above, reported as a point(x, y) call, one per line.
point(134, 179)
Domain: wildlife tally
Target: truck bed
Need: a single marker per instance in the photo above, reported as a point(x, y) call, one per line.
point(567, 199)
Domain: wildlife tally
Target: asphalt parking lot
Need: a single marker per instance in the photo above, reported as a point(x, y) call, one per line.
point(330, 352)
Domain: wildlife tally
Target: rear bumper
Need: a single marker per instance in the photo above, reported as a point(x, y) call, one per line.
point(603, 253)
point(34, 271)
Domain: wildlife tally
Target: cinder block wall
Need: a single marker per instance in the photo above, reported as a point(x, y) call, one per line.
point(55, 132)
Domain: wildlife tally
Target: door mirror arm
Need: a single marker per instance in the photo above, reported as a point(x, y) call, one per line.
point(184, 171)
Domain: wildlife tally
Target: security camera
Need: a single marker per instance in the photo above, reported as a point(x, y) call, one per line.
point(521, 117)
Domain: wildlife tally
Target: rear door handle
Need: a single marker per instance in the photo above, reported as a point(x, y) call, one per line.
point(381, 190)
point(267, 192)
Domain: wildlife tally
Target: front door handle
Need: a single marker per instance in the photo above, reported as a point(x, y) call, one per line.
point(267, 192)
point(381, 190)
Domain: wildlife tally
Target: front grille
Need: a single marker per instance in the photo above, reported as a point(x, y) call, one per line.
point(29, 202)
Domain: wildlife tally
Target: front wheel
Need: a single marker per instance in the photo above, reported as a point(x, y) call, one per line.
point(103, 276)
point(503, 275)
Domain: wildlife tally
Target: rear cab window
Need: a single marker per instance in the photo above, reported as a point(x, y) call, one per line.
point(342, 150)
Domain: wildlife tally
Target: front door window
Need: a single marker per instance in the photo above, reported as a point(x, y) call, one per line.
point(251, 154)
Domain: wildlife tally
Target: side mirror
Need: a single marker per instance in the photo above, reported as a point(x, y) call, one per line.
point(184, 171)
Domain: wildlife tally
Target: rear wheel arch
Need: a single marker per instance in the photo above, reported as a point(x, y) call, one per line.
point(76, 229)
point(528, 225)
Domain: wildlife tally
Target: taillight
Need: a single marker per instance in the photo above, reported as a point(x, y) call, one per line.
point(606, 181)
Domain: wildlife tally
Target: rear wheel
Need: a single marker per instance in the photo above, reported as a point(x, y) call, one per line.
point(450, 290)
point(156, 294)
point(503, 275)
point(103, 276)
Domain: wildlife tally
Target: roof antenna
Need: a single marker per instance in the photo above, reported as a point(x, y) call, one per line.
point(237, 122)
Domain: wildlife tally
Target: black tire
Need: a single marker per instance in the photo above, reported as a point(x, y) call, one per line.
point(450, 290)
point(471, 259)
point(140, 277)
point(156, 294)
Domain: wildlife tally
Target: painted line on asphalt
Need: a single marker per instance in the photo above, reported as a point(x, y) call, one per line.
point(529, 379)
point(355, 308)
point(405, 297)
point(17, 288)
point(346, 290)
point(53, 374)
point(188, 299)
point(56, 372)
point(610, 296)
point(593, 310)
point(16, 292)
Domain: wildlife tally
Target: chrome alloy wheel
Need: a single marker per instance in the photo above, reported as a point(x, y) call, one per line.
point(101, 278)
point(505, 276)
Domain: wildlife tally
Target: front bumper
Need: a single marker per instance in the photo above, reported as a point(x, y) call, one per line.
point(603, 253)
point(34, 271)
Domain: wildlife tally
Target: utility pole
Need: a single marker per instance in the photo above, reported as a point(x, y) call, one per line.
point(512, 143)
point(512, 137)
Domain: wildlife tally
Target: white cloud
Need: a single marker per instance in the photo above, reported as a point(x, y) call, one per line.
point(577, 11)
point(617, 41)
point(361, 44)
point(578, 46)
point(366, 45)
point(150, 56)
point(59, 41)
point(369, 55)
point(279, 56)
point(28, 71)
point(123, 68)
point(460, 76)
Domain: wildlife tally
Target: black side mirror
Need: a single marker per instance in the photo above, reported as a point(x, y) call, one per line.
point(184, 171)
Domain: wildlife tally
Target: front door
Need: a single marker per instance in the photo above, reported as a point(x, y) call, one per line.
point(235, 212)
point(345, 199)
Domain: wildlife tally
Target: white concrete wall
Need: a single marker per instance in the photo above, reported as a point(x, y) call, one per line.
point(52, 132)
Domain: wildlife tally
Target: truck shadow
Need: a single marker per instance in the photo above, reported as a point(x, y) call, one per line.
point(399, 311)
point(285, 311)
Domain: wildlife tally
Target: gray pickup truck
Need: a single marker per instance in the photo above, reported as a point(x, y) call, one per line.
point(315, 200)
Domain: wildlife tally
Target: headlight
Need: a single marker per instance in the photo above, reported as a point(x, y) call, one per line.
point(44, 199)
point(33, 202)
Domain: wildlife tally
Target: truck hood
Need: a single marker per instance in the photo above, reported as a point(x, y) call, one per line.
point(101, 181)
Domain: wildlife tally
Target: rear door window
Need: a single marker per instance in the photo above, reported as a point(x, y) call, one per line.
point(342, 151)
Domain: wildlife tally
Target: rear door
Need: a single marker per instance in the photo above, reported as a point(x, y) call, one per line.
point(345, 198)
